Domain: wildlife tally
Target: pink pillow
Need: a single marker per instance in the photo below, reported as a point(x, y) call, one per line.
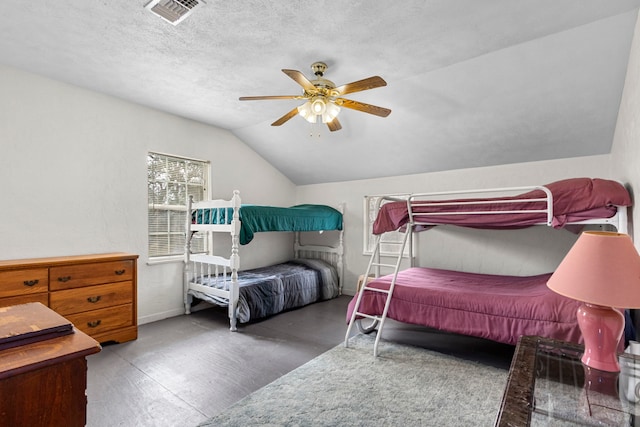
point(583, 194)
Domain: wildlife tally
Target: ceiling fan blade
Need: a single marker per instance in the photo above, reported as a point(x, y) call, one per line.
point(361, 106)
point(291, 114)
point(334, 125)
point(360, 85)
point(258, 98)
point(299, 78)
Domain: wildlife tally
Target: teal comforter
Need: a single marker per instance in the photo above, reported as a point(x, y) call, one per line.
point(255, 219)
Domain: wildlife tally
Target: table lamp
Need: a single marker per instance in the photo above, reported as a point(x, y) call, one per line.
point(602, 270)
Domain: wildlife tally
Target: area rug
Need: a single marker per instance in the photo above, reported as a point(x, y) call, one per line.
point(403, 386)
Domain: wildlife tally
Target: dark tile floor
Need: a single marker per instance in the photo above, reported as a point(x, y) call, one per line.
point(183, 370)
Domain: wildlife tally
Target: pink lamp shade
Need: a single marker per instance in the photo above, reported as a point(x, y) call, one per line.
point(602, 270)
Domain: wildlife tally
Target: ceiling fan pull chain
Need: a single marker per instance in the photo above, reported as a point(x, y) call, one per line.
point(315, 130)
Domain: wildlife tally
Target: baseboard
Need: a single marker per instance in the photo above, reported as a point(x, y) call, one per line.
point(159, 316)
point(172, 313)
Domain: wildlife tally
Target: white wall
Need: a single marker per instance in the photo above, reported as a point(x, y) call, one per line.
point(73, 173)
point(512, 252)
point(625, 153)
point(530, 251)
point(72, 163)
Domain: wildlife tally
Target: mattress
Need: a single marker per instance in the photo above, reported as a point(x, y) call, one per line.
point(273, 289)
point(255, 218)
point(495, 307)
point(575, 199)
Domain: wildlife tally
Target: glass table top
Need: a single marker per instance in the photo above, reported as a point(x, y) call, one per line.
point(567, 393)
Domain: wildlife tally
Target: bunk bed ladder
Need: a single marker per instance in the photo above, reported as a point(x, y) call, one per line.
point(374, 262)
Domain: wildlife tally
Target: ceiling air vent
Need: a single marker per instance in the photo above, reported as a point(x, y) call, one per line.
point(173, 11)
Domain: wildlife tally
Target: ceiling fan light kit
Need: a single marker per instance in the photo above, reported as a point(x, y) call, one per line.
point(323, 99)
point(331, 112)
point(306, 111)
point(318, 106)
point(311, 111)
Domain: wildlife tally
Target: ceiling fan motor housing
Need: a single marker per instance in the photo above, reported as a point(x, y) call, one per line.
point(323, 86)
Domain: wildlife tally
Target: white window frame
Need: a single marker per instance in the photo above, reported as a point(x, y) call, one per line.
point(389, 241)
point(176, 188)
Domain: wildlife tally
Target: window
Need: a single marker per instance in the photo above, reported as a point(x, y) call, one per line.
point(390, 243)
point(171, 180)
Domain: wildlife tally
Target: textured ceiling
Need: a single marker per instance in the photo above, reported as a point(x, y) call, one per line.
point(470, 82)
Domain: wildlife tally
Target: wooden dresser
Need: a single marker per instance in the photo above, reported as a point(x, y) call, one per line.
point(97, 293)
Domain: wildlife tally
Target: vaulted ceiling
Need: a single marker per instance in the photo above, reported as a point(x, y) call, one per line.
point(470, 82)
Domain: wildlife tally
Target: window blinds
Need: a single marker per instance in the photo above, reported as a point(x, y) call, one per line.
point(171, 180)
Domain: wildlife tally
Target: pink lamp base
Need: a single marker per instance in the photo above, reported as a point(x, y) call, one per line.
point(601, 329)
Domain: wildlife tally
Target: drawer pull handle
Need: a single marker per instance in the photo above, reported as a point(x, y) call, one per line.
point(94, 323)
point(31, 282)
point(94, 299)
point(119, 272)
point(64, 279)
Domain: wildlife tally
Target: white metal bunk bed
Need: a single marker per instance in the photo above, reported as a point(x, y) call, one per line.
point(316, 270)
point(578, 201)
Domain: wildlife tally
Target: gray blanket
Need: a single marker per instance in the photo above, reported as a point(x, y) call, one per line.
point(270, 290)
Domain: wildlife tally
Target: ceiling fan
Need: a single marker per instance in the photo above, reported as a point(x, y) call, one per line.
point(324, 99)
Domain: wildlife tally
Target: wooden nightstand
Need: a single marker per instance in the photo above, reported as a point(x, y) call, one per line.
point(43, 368)
point(361, 282)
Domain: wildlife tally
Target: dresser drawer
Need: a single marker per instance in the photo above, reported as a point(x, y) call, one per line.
point(75, 276)
point(21, 282)
point(42, 297)
point(76, 300)
point(102, 320)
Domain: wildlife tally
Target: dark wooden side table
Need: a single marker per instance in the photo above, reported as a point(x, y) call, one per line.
point(43, 369)
point(549, 386)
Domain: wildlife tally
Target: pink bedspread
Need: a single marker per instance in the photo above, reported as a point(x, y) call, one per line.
point(574, 199)
point(499, 308)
